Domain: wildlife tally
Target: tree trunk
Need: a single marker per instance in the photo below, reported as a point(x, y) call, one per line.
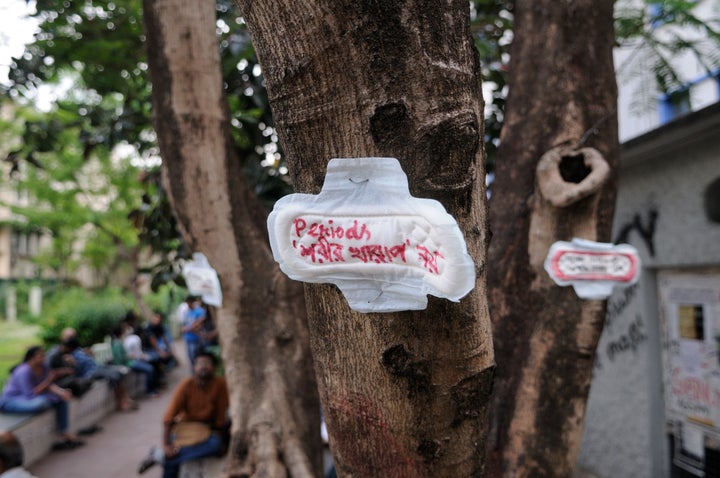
point(404, 394)
point(562, 96)
point(262, 324)
point(135, 284)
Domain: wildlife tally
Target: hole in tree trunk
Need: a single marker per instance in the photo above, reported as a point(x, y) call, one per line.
point(573, 169)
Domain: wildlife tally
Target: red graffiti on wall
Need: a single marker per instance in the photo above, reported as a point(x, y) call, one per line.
point(694, 389)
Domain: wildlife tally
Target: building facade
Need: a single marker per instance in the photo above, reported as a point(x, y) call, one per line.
point(654, 406)
point(668, 188)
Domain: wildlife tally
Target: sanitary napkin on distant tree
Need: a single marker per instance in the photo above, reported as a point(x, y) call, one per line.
point(201, 279)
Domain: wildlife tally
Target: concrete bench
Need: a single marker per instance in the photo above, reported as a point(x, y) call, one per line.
point(135, 384)
point(14, 421)
point(37, 433)
point(93, 406)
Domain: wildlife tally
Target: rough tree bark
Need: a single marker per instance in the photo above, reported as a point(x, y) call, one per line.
point(404, 394)
point(562, 96)
point(262, 324)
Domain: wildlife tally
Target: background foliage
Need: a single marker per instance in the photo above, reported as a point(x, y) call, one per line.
point(15, 338)
point(92, 314)
point(68, 157)
point(92, 51)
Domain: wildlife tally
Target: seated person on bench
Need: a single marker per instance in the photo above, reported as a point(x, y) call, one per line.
point(31, 389)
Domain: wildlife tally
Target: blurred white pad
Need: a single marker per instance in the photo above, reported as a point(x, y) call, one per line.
point(365, 233)
point(201, 279)
point(592, 268)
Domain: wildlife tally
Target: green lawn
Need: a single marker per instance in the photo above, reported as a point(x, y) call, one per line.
point(15, 338)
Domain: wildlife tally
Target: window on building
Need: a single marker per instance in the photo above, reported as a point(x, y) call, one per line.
point(691, 321)
point(24, 244)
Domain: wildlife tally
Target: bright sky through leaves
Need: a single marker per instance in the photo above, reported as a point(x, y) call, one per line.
point(16, 29)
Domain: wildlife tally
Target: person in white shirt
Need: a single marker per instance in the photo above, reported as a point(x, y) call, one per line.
point(133, 347)
point(183, 309)
point(120, 357)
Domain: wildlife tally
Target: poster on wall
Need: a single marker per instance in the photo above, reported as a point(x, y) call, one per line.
point(690, 315)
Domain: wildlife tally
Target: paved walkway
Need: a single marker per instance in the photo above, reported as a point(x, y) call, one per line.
point(123, 442)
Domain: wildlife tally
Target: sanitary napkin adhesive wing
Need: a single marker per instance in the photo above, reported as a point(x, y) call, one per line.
point(384, 249)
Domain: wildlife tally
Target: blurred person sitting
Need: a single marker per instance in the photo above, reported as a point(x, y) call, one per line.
point(11, 457)
point(195, 420)
point(31, 388)
point(65, 334)
point(159, 340)
point(86, 368)
point(121, 357)
point(60, 359)
point(209, 332)
point(131, 321)
point(192, 328)
point(137, 346)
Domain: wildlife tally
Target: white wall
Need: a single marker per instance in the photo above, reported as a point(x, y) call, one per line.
point(665, 175)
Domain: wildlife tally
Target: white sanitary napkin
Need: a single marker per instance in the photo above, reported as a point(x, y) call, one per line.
point(365, 233)
point(201, 279)
point(592, 268)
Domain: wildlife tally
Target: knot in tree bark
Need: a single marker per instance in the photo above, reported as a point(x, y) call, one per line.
point(566, 175)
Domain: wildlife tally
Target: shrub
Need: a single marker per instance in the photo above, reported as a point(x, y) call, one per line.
point(166, 299)
point(91, 314)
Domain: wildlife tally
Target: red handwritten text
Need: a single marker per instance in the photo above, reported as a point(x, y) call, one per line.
point(429, 259)
point(347, 240)
point(323, 251)
point(378, 254)
point(694, 389)
point(357, 231)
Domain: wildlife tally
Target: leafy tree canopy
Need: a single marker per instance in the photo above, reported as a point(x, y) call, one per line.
point(77, 199)
point(97, 47)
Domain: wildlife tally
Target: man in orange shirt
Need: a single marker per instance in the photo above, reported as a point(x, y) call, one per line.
point(194, 419)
